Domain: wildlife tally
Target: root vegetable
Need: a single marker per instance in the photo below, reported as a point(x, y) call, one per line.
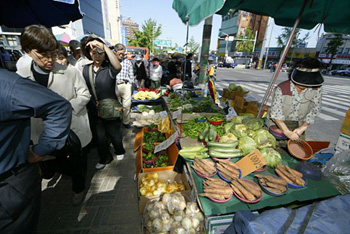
point(252, 188)
point(236, 190)
point(297, 173)
point(214, 196)
point(230, 164)
point(247, 195)
point(283, 176)
point(272, 179)
point(223, 191)
point(228, 170)
point(275, 190)
point(209, 169)
point(276, 186)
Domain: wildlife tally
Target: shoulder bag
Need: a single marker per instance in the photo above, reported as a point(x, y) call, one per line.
point(108, 108)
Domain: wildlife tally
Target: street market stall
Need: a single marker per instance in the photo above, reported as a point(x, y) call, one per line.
point(226, 163)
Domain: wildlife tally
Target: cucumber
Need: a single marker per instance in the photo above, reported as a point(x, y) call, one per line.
point(210, 137)
point(204, 133)
point(216, 154)
point(221, 144)
point(225, 149)
point(193, 149)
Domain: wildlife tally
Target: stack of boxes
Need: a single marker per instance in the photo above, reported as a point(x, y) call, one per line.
point(344, 138)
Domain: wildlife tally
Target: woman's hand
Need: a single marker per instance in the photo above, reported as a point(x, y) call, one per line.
point(291, 135)
point(96, 44)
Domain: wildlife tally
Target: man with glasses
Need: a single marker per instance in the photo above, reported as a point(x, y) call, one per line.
point(125, 80)
point(41, 45)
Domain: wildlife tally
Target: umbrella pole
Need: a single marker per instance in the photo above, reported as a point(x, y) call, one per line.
point(278, 69)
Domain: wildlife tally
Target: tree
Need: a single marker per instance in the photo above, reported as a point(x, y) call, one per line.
point(245, 46)
point(283, 38)
point(144, 38)
point(192, 46)
point(332, 46)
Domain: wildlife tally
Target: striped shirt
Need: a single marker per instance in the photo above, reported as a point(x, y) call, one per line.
point(127, 72)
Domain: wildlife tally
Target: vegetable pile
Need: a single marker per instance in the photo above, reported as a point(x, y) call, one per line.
point(172, 214)
point(193, 152)
point(272, 183)
point(289, 175)
point(215, 188)
point(204, 166)
point(246, 190)
point(228, 170)
point(148, 95)
point(224, 150)
point(192, 128)
point(151, 185)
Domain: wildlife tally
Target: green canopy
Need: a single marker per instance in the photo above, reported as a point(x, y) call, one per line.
point(334, 14)
point(194, 11)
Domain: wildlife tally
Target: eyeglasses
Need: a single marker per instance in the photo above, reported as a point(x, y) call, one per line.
point(44, 57)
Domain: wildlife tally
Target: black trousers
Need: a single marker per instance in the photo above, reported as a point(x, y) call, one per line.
point(20, 201)
point(74, 166)
point(103, 131)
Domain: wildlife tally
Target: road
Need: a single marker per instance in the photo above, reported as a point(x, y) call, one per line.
point(335, 99)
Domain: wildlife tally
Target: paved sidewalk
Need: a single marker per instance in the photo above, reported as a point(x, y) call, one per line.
point(110, 206)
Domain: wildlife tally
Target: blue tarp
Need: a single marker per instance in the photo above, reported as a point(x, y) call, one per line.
point(328, 216)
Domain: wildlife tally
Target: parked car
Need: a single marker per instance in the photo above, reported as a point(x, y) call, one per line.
point(228, 65)
point(343, 72)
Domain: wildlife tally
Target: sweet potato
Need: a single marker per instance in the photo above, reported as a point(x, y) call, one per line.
point(272, 179)
point(252, 188)
point(247, 195)
point(214, 195)
point(283, 176)
point(223, 191)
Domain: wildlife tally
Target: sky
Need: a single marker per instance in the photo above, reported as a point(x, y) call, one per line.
point(172, 27)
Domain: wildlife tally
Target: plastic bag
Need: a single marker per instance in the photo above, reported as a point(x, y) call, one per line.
point(337, 171)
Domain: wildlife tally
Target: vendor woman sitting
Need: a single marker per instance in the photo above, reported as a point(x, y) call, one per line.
point(297, 101)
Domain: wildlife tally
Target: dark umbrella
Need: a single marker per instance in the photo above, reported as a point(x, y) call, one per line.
point(21, 13)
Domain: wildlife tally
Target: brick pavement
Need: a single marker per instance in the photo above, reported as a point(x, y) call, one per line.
point(110, 205)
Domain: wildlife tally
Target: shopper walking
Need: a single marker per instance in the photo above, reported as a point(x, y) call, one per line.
point(67, 82)
point(124, 80)
point(100, 77)
point(140, 72)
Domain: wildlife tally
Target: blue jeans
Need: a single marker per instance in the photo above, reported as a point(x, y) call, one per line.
point(20, 201)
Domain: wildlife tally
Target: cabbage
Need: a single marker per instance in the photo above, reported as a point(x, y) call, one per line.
point(253, 123)
point(232, 87)
point(264, 139)
point(241, 130)
point(271, 156)
point(246, 145)
point(237, 119)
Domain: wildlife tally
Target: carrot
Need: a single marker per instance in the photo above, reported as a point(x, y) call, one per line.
point(272, 179)
point(251, 188)
point(283, 176)
point(247, 195)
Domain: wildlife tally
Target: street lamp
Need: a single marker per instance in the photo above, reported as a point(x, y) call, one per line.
point(226, 39)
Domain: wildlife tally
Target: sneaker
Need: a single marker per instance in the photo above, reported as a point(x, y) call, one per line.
point(78, 198)
point(120, 156)
point(100, 166)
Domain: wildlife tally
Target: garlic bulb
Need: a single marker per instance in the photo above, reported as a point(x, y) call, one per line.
point(186, 223)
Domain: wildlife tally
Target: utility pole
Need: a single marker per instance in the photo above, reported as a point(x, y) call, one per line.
point(263, 44)
point(205, 49)
point(268, 46)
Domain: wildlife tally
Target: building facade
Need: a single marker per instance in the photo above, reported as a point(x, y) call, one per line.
point(341, 59)
point(236, 23)
point(128, 24)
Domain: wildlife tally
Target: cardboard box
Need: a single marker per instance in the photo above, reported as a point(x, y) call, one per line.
point(167, 175)
point(343, 143)
point(252, 108)
point(172, 152)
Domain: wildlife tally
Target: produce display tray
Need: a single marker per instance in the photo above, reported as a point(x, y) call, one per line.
point(314, 190)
